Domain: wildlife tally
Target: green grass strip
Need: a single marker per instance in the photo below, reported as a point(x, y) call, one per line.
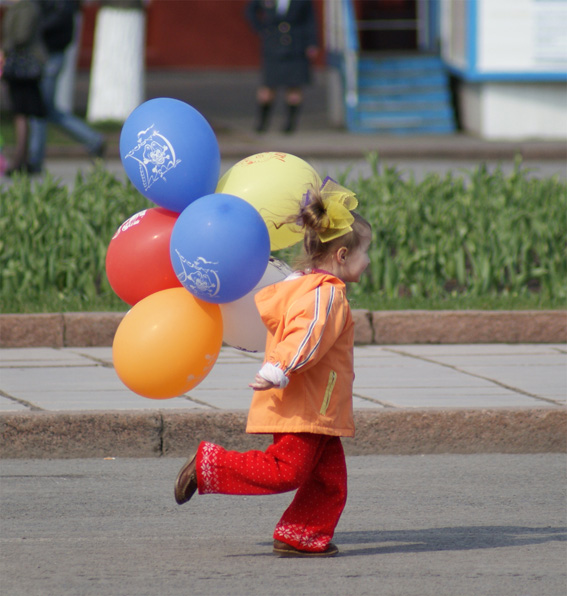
point(476, 240)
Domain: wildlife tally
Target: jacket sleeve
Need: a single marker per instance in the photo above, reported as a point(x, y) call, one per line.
point(311, 326)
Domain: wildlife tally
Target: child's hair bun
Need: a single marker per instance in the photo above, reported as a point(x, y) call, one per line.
point(313, 213)
point(328, 211)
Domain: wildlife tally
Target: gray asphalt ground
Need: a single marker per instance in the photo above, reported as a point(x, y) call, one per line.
point(446, 525)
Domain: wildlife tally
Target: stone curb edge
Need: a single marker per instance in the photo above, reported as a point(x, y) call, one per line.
point(64, 435)
point(58, 330)
point(236, 146)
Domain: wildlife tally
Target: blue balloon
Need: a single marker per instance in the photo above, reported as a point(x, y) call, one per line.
point(170, 153)
point(219, 248)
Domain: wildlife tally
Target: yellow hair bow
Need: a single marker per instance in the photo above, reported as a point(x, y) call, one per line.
point(339, 202)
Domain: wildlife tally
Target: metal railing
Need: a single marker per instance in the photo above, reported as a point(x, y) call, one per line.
point(343, 47)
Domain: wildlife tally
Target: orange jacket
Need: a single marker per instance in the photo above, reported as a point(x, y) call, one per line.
point(310, 338)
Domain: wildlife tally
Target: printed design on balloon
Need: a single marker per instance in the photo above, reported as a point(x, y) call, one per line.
point(155, 155)
point(265, 157)
point(132, 221)
point(211, 360)
point(197, 277)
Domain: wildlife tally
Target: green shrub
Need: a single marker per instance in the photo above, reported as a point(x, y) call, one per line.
point(53, 240)
point(481, 237)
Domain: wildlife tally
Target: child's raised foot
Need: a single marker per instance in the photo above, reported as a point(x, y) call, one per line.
point(186, 481)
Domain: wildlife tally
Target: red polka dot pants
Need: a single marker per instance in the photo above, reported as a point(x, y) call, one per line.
point(313, 464)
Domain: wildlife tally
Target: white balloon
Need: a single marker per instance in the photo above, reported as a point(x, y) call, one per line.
point(243, 328)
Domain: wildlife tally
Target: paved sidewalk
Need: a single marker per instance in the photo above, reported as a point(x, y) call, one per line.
point(412, 398)
point(387, 377)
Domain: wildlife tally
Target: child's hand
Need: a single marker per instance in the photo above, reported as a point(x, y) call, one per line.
point(260, 384)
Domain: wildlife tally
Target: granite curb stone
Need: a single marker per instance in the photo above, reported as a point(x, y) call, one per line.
point(339, 144)
point(155, 434)
point(469, 327)
point(64, 435)
point(23, 331)
point(381, 328)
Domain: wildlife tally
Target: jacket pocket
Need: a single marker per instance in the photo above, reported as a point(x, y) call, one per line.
point(328, 391)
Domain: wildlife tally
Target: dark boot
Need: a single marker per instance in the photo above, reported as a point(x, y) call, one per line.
point(186, 481)
point(291, 121)
point(264, 110)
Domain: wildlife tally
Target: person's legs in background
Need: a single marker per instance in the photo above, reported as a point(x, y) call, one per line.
point(21, 129)
point(25, 99)
point(293, 99)
point(265, 98)
point(38, 126)
point(74, 126)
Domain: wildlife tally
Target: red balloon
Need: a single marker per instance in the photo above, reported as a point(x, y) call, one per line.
point(137, 260)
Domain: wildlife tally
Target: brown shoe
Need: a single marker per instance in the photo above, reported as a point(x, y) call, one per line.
point(186, 482)
point(283, 549)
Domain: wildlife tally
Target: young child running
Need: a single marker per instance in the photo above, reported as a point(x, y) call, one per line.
point(303, 392)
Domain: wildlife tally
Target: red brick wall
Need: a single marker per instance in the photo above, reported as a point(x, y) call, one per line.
point(192, 34)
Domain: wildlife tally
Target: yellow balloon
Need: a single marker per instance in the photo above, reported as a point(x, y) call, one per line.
point(167, 343)
point(274, 183)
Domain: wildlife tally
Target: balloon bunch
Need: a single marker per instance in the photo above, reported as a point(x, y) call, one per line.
point(191, 265)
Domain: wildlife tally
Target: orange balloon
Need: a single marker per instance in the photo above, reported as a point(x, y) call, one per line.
point(167, 343)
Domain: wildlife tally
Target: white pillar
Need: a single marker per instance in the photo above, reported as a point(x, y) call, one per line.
point(117, 73)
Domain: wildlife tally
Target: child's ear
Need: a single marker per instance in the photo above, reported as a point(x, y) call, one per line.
point(342, 254)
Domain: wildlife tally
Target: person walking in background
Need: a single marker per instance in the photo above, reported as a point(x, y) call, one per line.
point(288, 34)
point(303, 392)
point(57, 28)
point(21, 62)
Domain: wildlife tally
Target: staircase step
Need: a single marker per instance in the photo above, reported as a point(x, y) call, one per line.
point(434, 129)
point(409, 110)
point(403, 123)
point(403, 116)
point(405, 91)
point(419, 78)
point(403, 95)
point(425, 95)
point(394, 63)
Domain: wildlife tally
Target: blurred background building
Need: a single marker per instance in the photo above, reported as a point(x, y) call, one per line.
point(493, 68)
point(510, 61)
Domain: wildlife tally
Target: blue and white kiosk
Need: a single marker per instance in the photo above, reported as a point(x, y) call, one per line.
point(510, 58)
point(402, 66)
